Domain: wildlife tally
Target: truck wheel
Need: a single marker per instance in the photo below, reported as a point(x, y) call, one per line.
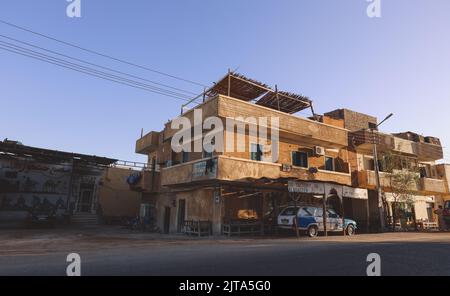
point(350, 230)
point(312, 231)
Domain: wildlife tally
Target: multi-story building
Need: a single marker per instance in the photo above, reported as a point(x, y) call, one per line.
point(414, 153)
point(311, 160)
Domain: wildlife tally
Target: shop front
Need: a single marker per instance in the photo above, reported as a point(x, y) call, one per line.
point(412, 213)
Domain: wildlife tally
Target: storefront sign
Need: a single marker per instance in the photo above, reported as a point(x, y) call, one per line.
point(202, 169)
point(391, 198)
point(306, 187)
point(327, 188)
point(357, 193)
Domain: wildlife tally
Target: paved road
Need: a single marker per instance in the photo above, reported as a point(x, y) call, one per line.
point(401, 254)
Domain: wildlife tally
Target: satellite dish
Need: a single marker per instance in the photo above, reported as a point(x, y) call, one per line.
point(313, 170)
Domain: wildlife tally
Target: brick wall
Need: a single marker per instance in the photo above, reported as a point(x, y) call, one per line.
point(353, 120)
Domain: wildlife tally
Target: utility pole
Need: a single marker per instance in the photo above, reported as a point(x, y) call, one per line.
point(377, 172)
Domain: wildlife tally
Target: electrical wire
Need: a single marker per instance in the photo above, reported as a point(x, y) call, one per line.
point(92, 73)
point(96, 65)
point(100, 54)
point(64, 62)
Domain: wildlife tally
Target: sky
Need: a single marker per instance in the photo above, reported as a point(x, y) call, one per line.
point(328, 50)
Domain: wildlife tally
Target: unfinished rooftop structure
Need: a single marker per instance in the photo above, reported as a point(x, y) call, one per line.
point(240, 87)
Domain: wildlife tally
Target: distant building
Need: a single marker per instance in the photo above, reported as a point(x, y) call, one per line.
point(71, 187)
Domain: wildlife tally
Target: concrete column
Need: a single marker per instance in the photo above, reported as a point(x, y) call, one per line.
point(217, 202)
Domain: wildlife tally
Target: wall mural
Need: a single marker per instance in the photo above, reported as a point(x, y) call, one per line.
point(25, 185)
point(30, 186)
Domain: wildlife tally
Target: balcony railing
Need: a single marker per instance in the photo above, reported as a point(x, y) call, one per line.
point(367, 179)
point(235, 169)
point(433, 185)
point(147, 143)
point(193, 171)
point(292, 127)
point(363, 141)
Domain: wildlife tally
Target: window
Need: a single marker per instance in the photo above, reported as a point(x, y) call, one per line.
point(310, 210)
point(423, 172)
point(332, 213)
point(291, 211)
point(256, 152)
point(305, 212)
point(207, 154)
point(185, 156)
point(329, 163)
point(300, 159)
point(369, 164)
point(319, 212)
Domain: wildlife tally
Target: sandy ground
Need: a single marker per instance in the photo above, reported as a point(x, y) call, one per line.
point(41, 241)
point(118, 251)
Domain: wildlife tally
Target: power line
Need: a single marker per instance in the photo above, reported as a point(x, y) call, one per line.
point(35, 53)
point(86, 72)
point(100, 54)
point(105, 77)
point(96, 65)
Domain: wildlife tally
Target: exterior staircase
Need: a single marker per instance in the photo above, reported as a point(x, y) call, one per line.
point(85, 219)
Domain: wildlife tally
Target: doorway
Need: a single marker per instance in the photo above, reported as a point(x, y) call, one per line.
point(166, 220)
point(181, 214)
point(85, 202)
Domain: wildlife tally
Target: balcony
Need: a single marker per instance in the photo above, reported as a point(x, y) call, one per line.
point(428, 152)
point(423, 151)
point(147, 143)
point(363, 142)
point(366, 179)
point(147, 182)
point(189, 172)
point(223, 168)
point(433, 185)
point(291, 127)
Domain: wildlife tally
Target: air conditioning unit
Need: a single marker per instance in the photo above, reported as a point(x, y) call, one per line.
point(319, 150)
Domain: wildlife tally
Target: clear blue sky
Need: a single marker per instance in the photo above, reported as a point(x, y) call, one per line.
point(328, 50)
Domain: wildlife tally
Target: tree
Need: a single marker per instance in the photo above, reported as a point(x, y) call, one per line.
point(403, 179)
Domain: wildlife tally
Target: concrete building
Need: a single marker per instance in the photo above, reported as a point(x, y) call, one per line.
point(326, 159)
point(413, 153)
point(245, 186)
